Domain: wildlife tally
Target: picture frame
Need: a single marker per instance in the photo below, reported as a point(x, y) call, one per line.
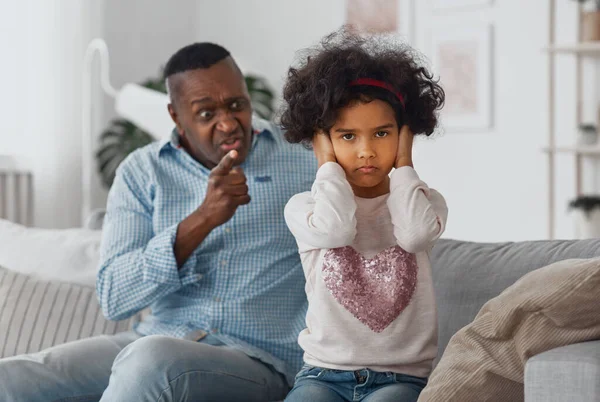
point(461, 56)
point(372, 16)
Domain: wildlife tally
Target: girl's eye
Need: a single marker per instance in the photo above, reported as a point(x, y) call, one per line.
point(348, 137)
point(381, 134)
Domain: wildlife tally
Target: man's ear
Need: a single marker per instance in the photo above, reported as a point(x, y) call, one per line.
point(175, 118)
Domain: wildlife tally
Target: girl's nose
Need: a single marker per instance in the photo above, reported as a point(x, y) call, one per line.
point(366, 152)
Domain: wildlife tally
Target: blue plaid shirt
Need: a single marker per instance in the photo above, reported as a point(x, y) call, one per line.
point(244, 284)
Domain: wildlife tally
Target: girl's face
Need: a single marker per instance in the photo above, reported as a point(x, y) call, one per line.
point(365, 142)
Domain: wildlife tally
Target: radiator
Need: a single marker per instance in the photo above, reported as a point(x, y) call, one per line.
point(16, 196)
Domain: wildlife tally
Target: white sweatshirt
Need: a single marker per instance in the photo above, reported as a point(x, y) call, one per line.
point(368, 277)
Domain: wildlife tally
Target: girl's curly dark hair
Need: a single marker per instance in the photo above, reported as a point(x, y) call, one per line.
point(320, 86)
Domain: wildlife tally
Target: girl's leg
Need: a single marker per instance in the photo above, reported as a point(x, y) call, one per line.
point(394, 393)
point(313, 391)
point(317, 384)
point(402, 388)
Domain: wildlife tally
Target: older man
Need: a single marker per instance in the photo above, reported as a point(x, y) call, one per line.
point(194, 230)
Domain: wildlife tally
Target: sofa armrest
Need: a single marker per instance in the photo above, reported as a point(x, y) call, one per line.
point(568, 373)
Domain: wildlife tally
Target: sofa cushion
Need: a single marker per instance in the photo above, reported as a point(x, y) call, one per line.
point(554, 306)
point(466, 275)
point(68, 255)
point(36, 314)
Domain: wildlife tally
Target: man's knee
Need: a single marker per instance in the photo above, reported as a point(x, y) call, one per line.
point(155, 365)
point(163, 367)
point(152, 354)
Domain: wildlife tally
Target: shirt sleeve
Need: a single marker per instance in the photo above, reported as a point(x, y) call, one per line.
point(325, 216)
point(137, 266)
point(418, 213)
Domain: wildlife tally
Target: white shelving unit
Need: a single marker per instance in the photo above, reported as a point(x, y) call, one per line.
point(584, 151)
point(579, 51)
point(584, 49)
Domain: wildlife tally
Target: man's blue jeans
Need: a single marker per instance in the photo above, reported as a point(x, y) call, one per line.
point(126, 368)
point(317, 384)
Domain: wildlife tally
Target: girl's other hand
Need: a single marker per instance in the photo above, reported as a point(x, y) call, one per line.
point(405, 144)
point(323, 148)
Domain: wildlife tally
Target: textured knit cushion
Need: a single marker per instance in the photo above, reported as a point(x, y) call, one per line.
point(36, 314)
point(553, 306)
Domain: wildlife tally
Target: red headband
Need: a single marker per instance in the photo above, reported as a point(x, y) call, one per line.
point(380, 84)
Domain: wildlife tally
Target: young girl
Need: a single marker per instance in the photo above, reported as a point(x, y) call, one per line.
point(363, 234)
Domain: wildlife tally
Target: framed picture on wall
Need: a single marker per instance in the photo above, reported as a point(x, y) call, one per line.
point(462, 56)
point(450, 4)
point(376, 16)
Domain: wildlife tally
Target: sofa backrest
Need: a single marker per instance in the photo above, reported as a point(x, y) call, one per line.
point(466, 275)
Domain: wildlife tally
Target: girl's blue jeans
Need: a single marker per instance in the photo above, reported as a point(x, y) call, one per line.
point(317, 384)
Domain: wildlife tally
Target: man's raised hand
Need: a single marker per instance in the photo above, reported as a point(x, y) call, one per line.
point(227, 190)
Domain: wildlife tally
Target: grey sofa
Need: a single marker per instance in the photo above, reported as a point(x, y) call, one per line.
point(466, 275)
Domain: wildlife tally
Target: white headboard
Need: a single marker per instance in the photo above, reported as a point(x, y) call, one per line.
point(16, 191)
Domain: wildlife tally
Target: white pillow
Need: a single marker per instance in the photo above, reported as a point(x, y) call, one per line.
point(67, 255)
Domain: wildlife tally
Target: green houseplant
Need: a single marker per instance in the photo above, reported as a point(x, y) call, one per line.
point(122, 137)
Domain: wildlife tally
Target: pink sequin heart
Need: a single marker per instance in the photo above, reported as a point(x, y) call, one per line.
point(375, 290)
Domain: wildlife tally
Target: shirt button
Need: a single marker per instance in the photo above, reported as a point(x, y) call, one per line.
point(217, 299)
point(227, 230)
point(224, 262)
point(214, 330)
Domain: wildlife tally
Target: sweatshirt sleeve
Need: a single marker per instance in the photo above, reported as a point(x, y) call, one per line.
point(418, 213)
point(325, 216)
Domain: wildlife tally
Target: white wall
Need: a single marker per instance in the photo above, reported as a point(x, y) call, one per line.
point(141, 35)
point(43, 43)
point(263, 35)
point(495, 181)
